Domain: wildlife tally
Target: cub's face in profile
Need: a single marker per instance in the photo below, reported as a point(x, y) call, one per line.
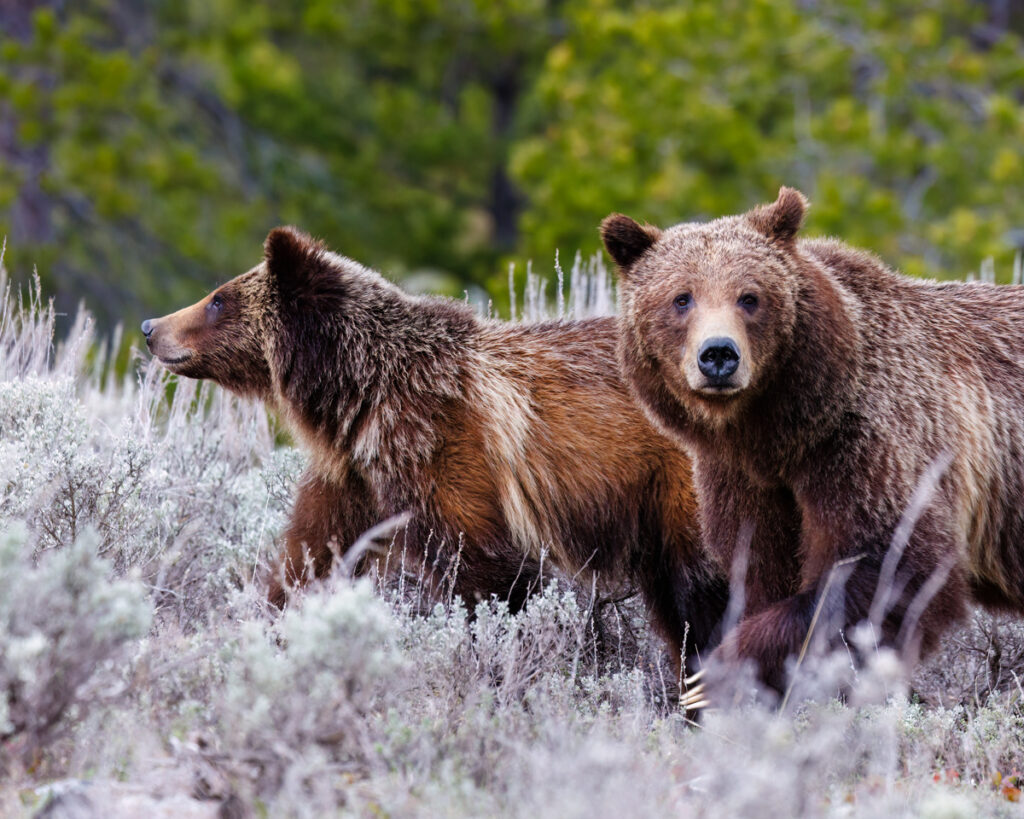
point(229, 336)
point(220, 337)
point(709, 308)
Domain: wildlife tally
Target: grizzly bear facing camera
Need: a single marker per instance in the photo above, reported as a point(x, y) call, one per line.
point(503, 441)
point(826, 399)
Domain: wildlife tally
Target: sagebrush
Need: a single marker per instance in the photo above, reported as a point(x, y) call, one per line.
point(140, 670)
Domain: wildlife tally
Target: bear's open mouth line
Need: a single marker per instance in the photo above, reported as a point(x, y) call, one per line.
point(181, 359)
point(719, 390)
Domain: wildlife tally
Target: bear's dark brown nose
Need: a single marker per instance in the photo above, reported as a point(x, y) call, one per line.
point(718, 359)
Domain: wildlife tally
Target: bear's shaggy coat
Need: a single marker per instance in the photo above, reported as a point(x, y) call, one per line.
point(502, 440)
point(817, 392)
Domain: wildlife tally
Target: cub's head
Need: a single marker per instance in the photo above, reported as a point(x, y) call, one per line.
point(707, 309)
point(228, 336)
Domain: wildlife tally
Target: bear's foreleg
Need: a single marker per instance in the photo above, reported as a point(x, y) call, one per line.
point(752, 532)
point(687, 599)
point(327, 518)
point(908, 598)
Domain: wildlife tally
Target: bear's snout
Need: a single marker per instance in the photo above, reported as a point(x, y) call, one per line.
point(718, 359)
point(162, 341)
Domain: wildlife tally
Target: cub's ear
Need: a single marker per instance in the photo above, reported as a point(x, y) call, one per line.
point(625, 240)
point(293, 257)
point(780, 220)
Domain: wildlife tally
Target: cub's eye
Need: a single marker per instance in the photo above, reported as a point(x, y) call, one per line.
point(748, 301)
point(217, 302)
point(682, 302)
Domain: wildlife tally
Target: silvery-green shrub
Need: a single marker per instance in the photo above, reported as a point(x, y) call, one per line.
point(67, 629)
point(298, 692)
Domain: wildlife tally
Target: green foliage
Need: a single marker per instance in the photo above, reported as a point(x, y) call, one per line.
point(145, 149)
point(903, 132)
point(156, 144)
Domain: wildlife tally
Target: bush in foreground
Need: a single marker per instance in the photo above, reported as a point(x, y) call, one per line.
point(140, 671)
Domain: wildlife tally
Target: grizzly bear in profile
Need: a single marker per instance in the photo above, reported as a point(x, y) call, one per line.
point(501, 440)
point(822, 396)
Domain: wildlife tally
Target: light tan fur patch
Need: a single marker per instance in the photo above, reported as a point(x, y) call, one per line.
point(509, 418)
point(976, 465)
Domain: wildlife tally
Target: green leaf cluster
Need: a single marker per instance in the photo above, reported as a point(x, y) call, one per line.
point(901, 125)
point(146, 148)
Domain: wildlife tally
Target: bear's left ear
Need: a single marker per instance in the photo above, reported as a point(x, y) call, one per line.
point(625, 240)
point(293, 257)
point(780, 220)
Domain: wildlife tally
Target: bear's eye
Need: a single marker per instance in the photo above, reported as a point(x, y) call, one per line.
point(748, 301)
point(682, 302)
point(217, 302)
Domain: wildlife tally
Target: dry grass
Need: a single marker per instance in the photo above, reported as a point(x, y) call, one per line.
point(140, 672)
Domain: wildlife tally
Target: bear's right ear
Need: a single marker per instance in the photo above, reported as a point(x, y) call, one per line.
point(781, 220)
point(292, 257)
point(625, 240)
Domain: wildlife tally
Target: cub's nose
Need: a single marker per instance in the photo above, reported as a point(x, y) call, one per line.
point(147, 327)
point(718, 358)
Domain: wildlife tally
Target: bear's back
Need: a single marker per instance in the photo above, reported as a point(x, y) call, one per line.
point(551, 433)
point(952, 325)
point(568, 375)
point(942, 370)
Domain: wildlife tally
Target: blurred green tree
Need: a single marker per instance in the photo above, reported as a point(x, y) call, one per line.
point(146, 148)
point(901, 119)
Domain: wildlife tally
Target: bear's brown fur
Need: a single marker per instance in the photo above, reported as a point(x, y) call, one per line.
point(502, 440)
point(817, 390)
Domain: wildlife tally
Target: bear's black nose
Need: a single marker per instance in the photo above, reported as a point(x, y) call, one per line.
point(147, 327)
point(718, 358)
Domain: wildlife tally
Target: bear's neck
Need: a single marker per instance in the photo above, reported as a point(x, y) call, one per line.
point(805, 398)
point(365, 384)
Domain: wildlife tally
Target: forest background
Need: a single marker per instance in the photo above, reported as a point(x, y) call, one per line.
point(147, 147)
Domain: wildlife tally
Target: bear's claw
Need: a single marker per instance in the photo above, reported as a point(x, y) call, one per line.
point(694, 678)
point(694, 698)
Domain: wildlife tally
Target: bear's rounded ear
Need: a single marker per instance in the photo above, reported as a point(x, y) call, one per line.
point(293, 258)
point(626, 240)
point(781, 220)
point(286, 250)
